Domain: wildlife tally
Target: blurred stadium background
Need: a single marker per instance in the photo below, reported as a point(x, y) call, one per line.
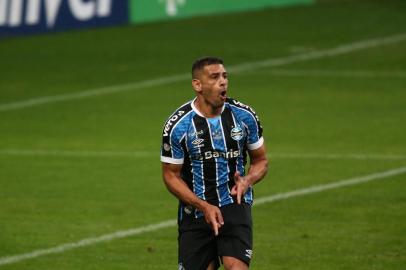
point(81, 114)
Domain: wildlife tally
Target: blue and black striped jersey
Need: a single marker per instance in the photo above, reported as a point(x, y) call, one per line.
point(211, 150)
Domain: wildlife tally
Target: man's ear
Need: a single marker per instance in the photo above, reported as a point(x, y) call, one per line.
point(197, 85)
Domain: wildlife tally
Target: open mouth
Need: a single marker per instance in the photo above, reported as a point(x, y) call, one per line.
point(223, 94)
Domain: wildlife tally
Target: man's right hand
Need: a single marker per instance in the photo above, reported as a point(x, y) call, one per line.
point(175, 184)
point(213, 216)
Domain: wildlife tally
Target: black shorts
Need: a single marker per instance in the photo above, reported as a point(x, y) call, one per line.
point(198, 246)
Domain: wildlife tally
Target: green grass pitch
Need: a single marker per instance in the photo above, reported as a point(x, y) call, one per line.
point(87, 167)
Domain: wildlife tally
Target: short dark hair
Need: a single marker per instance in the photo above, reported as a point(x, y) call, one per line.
point(200, 63)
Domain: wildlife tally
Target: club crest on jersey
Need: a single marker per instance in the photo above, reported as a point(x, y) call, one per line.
point(237, 133)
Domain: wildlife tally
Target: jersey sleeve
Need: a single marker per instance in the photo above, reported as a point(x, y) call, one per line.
point(251, 123)
point(254, 128)
point(171, 148)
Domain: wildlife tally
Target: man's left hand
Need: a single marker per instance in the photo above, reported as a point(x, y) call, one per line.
point(241, 186)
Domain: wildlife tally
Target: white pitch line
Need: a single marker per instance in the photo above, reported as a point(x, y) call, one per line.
point(171, 223)
point(339, 50)
point(79, 154)
point(338, 184)
point(337, 73)
point(87, 242)
point(338, 156)
point(142, 154)
point(92, 92)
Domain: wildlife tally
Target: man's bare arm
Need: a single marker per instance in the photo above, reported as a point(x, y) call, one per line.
point(256, 172)
point(175, 184)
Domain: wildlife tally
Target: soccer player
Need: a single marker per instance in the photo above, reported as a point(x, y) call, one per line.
point(204, 150)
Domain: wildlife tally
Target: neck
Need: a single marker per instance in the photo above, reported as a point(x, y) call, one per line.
point(206, 109)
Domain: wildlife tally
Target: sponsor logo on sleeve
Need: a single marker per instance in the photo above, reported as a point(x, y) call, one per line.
point(167, 147)
point(171, 121)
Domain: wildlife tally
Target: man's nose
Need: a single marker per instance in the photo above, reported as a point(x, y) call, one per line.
point(223, 81)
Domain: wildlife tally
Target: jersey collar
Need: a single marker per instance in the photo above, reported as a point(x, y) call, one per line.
point(199, 113)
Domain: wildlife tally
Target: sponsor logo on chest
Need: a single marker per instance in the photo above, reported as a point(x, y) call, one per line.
point(197, 142)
